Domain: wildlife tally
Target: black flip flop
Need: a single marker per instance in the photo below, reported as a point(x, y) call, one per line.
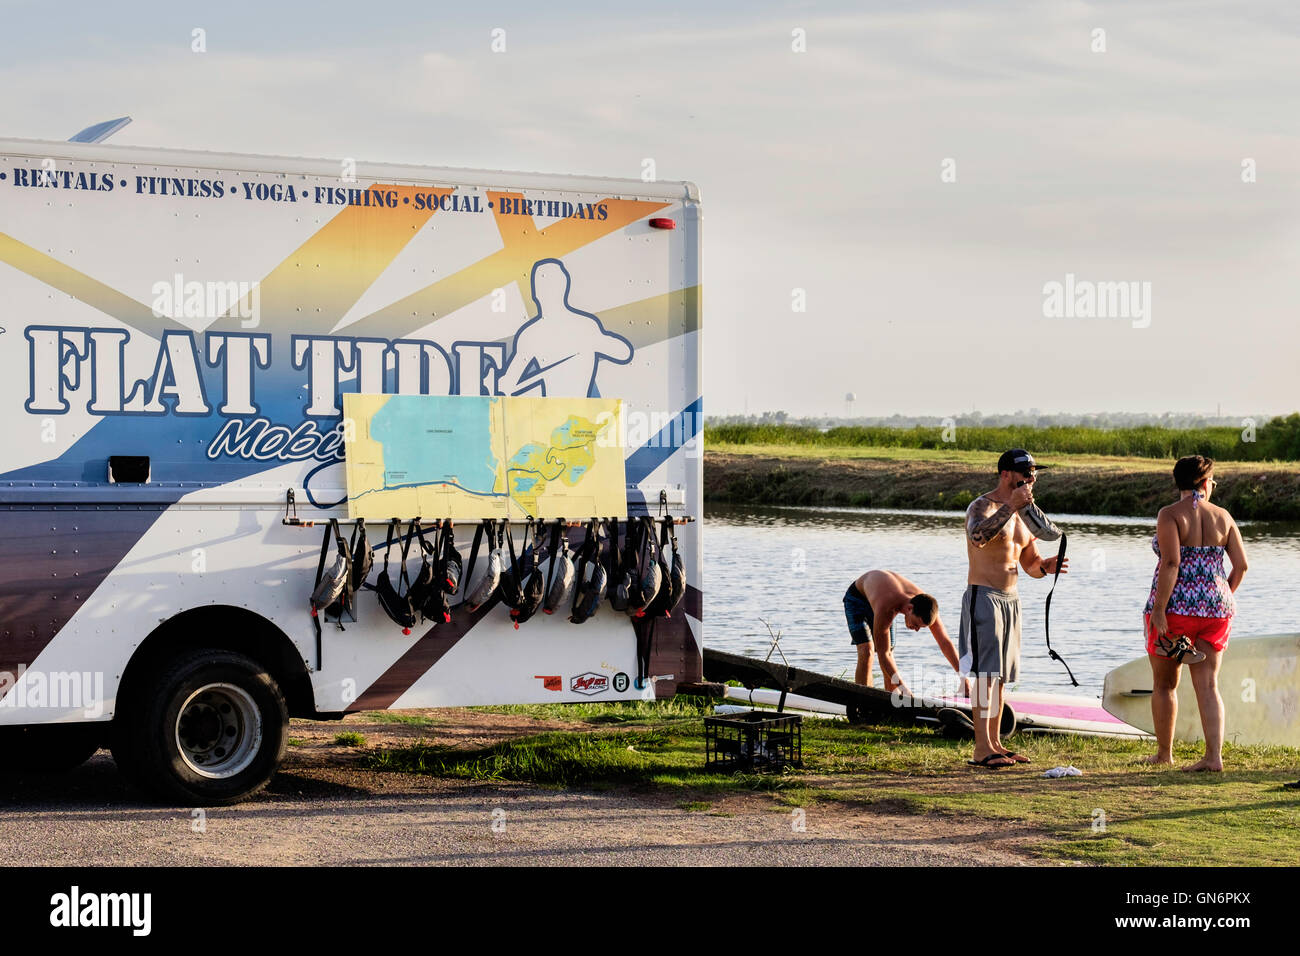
point(1014, 756)
point(993, 766)
point(1181, 650)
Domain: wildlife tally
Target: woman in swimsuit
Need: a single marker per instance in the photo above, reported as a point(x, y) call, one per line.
point(1189, 613)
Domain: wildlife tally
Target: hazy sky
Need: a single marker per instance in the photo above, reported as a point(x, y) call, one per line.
point(821, 170)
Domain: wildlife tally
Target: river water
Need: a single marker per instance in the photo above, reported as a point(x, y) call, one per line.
point(790, 567)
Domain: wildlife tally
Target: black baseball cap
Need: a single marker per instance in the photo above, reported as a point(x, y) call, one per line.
point(1017, 459)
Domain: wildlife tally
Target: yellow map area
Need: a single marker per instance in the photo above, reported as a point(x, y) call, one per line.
point(469, 457)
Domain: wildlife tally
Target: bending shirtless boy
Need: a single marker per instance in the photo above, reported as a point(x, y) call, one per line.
point(870, 605)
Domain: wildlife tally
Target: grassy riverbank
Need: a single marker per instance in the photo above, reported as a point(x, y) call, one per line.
point(1117, 813)
point(949, 478)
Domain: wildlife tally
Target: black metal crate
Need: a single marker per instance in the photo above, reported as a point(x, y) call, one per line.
point(756, 740)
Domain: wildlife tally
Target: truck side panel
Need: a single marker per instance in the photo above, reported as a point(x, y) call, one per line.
point(209, 312)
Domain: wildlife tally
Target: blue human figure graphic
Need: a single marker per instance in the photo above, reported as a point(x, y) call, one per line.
point(559, 351)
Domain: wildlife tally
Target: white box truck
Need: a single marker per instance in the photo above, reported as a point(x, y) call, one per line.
point(177, 330)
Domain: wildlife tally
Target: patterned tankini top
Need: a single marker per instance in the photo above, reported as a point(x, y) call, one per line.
point(1201, 589)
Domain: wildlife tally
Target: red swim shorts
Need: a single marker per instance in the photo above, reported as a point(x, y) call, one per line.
point(1212, 630)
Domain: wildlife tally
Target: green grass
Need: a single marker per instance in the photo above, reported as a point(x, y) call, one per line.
point(297, 742)
point(1278, 439)
point(977, 459)
point(1152, 816)
point(611, 712)
point(350, 738)
point(1244, 819)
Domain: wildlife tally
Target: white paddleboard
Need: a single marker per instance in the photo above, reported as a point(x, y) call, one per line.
point(773, 697)
point(723, 710)
point(1068, 713)
point(1259, 680)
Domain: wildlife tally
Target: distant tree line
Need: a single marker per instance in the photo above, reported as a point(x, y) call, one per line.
point(1276, 439)
point(1031, 418)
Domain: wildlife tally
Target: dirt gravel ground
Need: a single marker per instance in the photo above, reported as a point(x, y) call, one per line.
point(322, 808)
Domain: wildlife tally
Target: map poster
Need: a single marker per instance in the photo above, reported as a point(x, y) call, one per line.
point(470, 457)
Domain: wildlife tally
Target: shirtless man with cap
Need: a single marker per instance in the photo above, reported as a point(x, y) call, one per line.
point(997, 538)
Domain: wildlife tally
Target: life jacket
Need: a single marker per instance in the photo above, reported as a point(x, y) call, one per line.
point(677, 577)
point(330, 593)
point(590, 576)
point(511, 585)
point(421, 591)
point(361, 560)
point(561, 575)
point(650, 574)
point(526, 588)
point(641, 573)
point(663, 602)
point(447, 574)
point(487, 586)
point(396, 600)
point(450, 565)
point(617, 581)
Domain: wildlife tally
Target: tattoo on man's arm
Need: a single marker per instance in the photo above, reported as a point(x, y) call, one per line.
point(984, 530)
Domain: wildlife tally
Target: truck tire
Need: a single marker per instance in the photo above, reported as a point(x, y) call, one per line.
point(48, 748)
point(209, 728)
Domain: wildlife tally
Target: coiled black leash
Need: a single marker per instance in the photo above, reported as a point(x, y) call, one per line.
point(1047, 614)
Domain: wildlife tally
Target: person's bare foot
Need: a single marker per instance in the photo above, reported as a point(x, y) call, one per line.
point(1157, 759)
point(1205, 764)
point(1017, 757)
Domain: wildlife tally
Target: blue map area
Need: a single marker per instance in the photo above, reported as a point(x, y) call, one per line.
point(564, 434)
point(455, 448)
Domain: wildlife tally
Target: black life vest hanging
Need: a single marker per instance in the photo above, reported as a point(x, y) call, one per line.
point(590, 576)
point(422, 587)
point(617, 581)
point(560, 577)
point(447, 575)
point(450, 567)
point(663, 602)
point(631, 586)
point(332, 585)
point(646, 574)
point(511, 586)
point(396, 600)
point(677, 577)
point(487, 586)
point(526, 577)
point(363, 558)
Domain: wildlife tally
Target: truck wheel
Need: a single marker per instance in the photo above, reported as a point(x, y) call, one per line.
point(48, 748)
point(208, 729)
